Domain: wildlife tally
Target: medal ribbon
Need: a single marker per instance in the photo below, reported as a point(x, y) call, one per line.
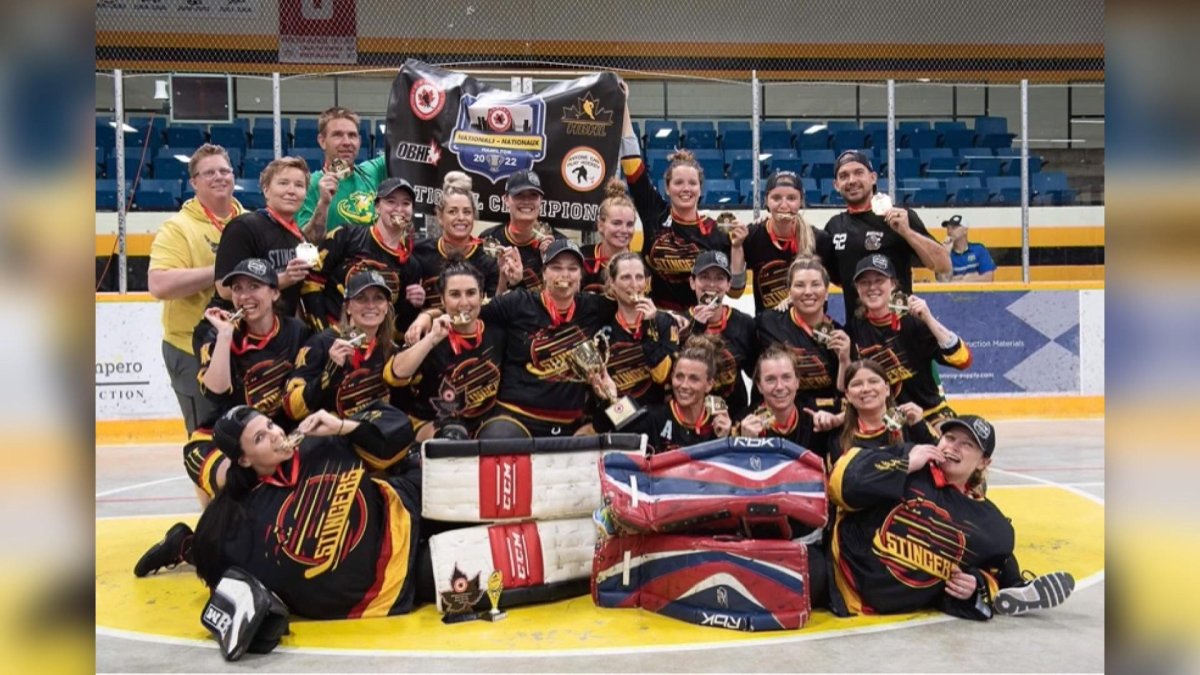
point(557, 318)
point(248, 346)
point(461, 342)
point(701, 425)
point(289, 225)
point(790, 245)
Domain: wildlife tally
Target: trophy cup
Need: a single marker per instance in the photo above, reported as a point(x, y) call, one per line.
point(893, 419)
point(823, 332)
point(495, 585)
point(340, 168)
point(881, 203)
point(590, 358)
point(715, 405)
point(308, 253)
point(898, 303)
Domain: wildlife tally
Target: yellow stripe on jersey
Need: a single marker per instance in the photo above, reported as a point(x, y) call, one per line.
point(836, 476)
point(390, 379)
point(662, 372)
point(849, 594)
point(293, 400)
point(396, 572)
point(961, 357)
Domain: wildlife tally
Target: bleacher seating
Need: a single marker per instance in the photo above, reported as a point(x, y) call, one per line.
point(186, 135)
point(248, 192)
point(157, 195)
point(228, 136)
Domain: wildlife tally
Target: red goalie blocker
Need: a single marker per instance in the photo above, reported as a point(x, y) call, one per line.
point(748, 584)
point(760, 487)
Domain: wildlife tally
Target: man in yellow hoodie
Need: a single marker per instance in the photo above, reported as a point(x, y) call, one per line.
point(181, 271)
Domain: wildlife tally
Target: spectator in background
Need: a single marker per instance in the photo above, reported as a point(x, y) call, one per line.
point(968, 261)
point(336, 198)
point(181, 271)
point(858, 231)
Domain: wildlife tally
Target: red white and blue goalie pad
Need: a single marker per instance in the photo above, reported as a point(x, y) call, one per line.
point(746, 584)
point(728, 485)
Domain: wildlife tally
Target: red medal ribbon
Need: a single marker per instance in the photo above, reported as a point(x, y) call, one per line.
point(362, 354)
point(289, 225)
point(634, 329)
point(212, 218)
point(401, 252)
point(557, 317)
point(461, 342)
point(700, 427)
point(789, 425)
point(251, 343)
point(790, 245)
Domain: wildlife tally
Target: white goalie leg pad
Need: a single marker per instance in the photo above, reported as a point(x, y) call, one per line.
point(539, 561)
point(512, 479)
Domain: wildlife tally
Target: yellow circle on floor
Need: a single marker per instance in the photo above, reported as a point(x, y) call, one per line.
point(167, 605)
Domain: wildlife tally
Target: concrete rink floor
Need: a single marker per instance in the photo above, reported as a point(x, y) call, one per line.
point(149, 480)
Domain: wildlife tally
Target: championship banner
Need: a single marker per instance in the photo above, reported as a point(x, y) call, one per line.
point(570, 134)
point(318, 31)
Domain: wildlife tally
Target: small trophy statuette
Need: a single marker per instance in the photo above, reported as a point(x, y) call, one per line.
point(881, 203)
point(495, 585)
point(308, 253)
point(823, 332)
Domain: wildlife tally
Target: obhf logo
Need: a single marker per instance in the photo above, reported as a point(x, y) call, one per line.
point(416, 152)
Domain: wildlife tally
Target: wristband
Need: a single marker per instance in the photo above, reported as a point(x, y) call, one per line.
point(738, 280)
point(630, 146)
point(950, 341)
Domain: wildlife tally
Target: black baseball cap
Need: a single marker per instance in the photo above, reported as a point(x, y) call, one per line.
point(522, 181)
point(227, 432)
point(364, 280)
point(952, 220)
point(980, 429)
point(390, 185)
point(875, 262)
point(784, 179)
point(559, 246)
point(255, 268)
point(709, 259)
point(852, 156)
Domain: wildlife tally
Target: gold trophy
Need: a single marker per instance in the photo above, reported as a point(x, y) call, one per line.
point(590, 358)
point(893, 419)
point(715, 405)
point(823, 332)
point(495, 585)
point(898, 303)
point(340, 168)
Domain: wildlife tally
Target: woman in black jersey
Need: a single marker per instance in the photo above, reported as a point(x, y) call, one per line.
point(642, 340)
point(244, 360)
point(524, 232)
point(341, 368)
point(615, 226)
point(456, 218)
point(770, 246)
point(710, 316)
point(686, 418)
point(674, 231)
point(871, 418)
point(822, 348)
point(386, 246)
point(775, 377)
point(459, 353)
point(270, 233)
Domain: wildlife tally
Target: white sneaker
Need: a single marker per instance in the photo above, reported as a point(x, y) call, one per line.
point(1044, 592)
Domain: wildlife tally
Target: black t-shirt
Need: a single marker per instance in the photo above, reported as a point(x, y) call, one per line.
point(319, 383)
point(472, 368)
point(432, 256)
point(853, 236)
point(537, 380)
point(816, 365)
point(531, 255)
point(347, 251)
point(769, 262)
point(255, 234)
point(259, 367)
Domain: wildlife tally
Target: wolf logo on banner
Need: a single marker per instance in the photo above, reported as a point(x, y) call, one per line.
point(441, 121)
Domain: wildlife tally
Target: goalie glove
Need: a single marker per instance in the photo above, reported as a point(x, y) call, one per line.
point(244, 615)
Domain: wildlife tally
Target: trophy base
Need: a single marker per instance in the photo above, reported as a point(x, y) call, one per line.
point(493, 616)
point(623, 411)
point(461, 617)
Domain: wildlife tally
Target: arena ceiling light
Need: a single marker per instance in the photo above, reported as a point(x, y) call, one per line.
point(662, 133)
point(124, 127)
point(815, 128)
point(183, 158)
point(764, 156)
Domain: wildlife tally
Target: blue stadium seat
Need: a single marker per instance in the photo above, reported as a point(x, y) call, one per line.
point(155, 126)
point(247, 191)
point(821, 170)
point(255, 161)
point(732, 125)
point(794, 165)
point(658, 154)
point(813, 196)
point(849, 139)
point(942, 166)
point(909, 126)
point(827, 184)
point(1012, 166)
point(920, 138)
point(737, 139)
point(818, 140)
point(907, 167)
point(228, 136)
point(834, 126)
point(186, 135)
point(927, 154)
point(106, 194)
point(741, 168)
point(991, 125)
point(653, 126)
point(101, 154)
point(106, 135)
point(713, 168)
point(370, 135)
point(700, 138)
point(746, 192)
point(1048, 181)
point(168, 167)
point(688, 126)
point(958, 138)
point(314, 157)
point(957, 183)
point(775, 138)
point(928, 197)
point(778, 154)
point(637, 128)
point(983, 166)
point(307, 138)
point(157, 195)
point(877, 129)
point(708, 153)
point(721, 191)
point(996, 141)
point(1007, 197)
point(310, 124)
point(773, 125)
point(670, 140)
point(825, 156)
point(132, 164)
point(235, 160)
point(834, 198)
point(968, 153)
point(920, 183)
point(971, 197)
point(946, 125)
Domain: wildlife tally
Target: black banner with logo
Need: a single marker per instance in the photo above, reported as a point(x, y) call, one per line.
point(570, 134)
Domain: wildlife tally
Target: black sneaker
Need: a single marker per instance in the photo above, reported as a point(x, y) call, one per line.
point(166, 553)
point(1044, 592)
